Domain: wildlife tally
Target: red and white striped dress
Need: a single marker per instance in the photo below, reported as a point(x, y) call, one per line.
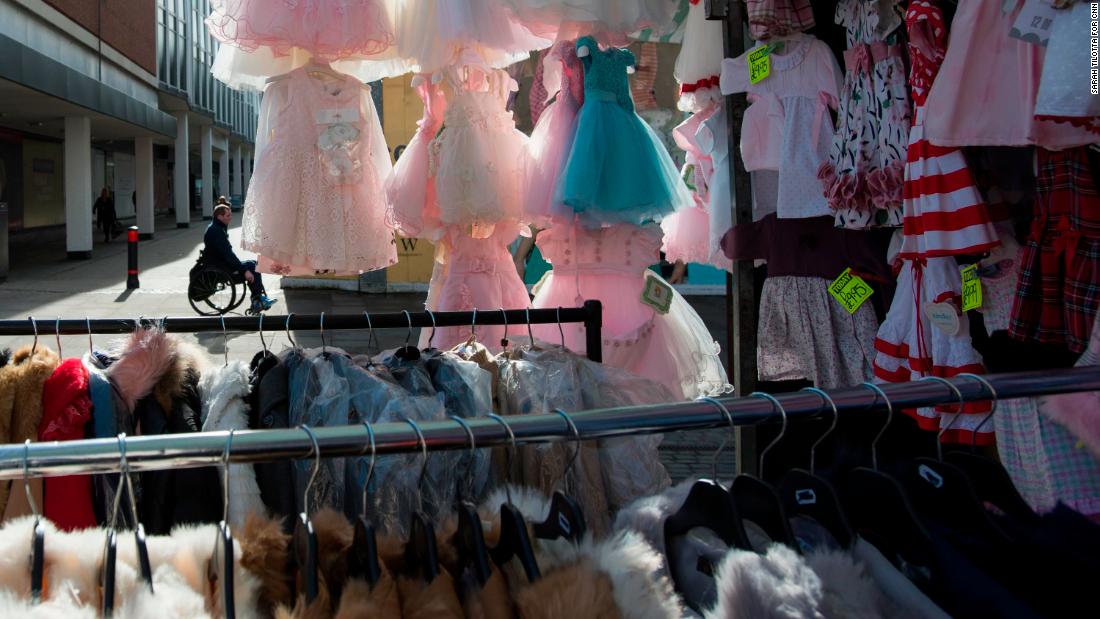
point(944, 216)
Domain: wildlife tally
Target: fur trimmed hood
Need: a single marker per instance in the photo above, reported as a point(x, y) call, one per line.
point(151, 361)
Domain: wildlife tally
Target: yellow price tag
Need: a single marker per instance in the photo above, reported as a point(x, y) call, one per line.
point(972, 288)
point(850, 290)
point(760, 63)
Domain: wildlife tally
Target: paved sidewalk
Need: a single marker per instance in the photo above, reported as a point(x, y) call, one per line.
point(43, 284)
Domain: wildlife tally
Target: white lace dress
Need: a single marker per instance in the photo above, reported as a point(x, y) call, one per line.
point(315, 203)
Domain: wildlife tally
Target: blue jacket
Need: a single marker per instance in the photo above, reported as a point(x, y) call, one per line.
point(218, 251)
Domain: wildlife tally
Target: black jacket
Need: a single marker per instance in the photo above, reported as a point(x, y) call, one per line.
point(218, 251)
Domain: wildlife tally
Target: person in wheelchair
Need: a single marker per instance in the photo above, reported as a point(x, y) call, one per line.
point(219, 252)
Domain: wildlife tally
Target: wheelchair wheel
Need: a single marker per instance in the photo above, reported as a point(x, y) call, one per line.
point(213, 292)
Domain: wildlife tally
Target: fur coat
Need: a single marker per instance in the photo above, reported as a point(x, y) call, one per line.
point(21, 383)
point(224, 393)
point(180, 565)
point(66, 411)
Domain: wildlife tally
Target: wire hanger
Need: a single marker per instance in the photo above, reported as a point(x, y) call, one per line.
point(38, 540)
point(431, 337)
point(408, 351)
point(469, 537)
point(263, 342)
point(757, 501)
point(961, 403)
point(305, 538)
point(91, 347)
point(809, 495)
point(504, 339)
point(514, 541)
point(225, 539)
point(34, 325)
point(108, 581)
point(324, 348)
point(293, 344)
point(530, 333)
point(225, 342)
point(363, 556)
point(370, 332)
point(57, 334)
point(565, 518)
point(988, 477)
point(421, 552)
point(561, 330)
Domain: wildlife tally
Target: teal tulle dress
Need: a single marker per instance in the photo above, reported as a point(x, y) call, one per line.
point(617, 171)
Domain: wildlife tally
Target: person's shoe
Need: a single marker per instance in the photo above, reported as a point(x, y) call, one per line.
point(263, 303)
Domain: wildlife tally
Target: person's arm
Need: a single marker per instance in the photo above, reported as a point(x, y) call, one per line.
point(679, 269)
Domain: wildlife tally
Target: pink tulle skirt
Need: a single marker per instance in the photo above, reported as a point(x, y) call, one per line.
point(547, 150)
point(687, 234)
point(327, 29)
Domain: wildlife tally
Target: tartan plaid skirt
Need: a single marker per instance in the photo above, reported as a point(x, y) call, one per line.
point(1058, 293)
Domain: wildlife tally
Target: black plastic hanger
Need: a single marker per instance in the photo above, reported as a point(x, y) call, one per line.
point(421, 553)
point(305, 538)
point(944, 492)
point(514, 541)
point(363, 556)
point(988, 477)
point(565, 519)
point(807, 494)
point(757, 501)
point(111, 546)
point(38, 537)
point(408, 352)
point(224, 568)
point(878, 506)
point(469, 539)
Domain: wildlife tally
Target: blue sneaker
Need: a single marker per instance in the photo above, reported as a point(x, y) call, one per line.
point(263, 303)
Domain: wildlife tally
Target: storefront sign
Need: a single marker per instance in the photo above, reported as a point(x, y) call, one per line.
point(760, 63)
point(972, 288)
point(850, 290)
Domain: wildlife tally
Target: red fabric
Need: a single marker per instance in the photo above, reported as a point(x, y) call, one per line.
point(66, 409)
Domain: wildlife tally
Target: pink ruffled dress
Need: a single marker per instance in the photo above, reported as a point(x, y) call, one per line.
point(410, 190)
point(315, 203)
point(864, 174)
point(611, 265)
point(474, 274)
point(326, 29)
point(552, 138)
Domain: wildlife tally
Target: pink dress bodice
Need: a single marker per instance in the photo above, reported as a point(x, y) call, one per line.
point(624, 249)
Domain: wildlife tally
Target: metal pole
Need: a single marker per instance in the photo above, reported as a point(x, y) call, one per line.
point(205, 448)
point(743, 353)
point(389, 320)
point(132, 258)
point(593, 330)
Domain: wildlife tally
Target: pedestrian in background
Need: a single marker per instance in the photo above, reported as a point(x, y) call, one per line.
point(104, 209)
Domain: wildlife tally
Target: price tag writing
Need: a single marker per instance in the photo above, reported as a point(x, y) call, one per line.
point(760, 63)
point(972, 288)
point(850, 290)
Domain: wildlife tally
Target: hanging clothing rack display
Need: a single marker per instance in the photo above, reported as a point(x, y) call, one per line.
point(201, 449)
point(590, 315)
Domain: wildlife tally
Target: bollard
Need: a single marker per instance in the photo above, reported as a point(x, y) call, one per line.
point(131, 250)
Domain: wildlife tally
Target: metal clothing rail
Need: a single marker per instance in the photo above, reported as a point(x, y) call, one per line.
point(591, 315)
point(201, 449)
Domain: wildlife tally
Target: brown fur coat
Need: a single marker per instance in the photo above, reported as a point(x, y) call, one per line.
point(21, 383)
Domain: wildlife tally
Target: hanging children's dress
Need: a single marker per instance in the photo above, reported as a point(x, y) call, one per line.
point(410, 191)
point(610, 265)
point(1062, 95)
point(788, 126)
point(778, 18)
point(315, 201)
point(1058, 293)
point(945, 215)
point(609, 20)
point(863, 177)
point(477, 160)
point(618, 169)
point(434, 34)
point(326, 29)
point(699, 63)
point(552, 138)
point(687, 231)
point(985, 92)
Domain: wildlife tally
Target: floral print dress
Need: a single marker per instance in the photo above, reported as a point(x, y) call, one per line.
point(864, 174)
